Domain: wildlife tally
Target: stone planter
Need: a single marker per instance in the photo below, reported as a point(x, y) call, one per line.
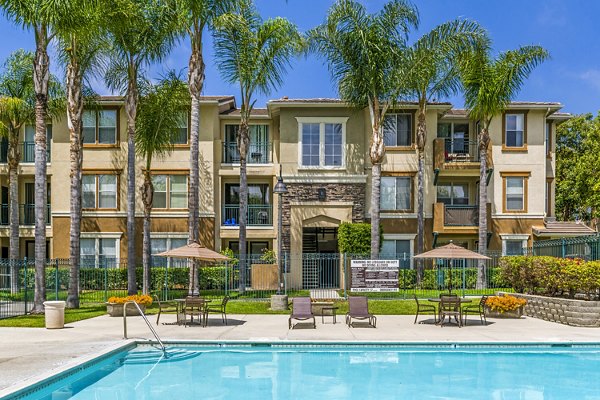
point(116, 310)
point(317, 306)
point(489, 313)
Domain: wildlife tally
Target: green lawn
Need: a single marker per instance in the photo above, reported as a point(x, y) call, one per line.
point(71, 315)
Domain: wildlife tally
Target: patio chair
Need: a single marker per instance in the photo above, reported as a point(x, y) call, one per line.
point(450, 307)
point(217, 309)
point(476, 309)
point(165, 308)
point(302, 311)
point(193, 306)
point(359, 309)
point(425, 308)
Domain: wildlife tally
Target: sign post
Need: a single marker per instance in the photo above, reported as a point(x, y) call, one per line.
point(374, 276)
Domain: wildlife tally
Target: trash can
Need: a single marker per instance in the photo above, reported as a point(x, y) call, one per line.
point(55, 314)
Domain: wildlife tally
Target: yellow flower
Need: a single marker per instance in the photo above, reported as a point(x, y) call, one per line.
point(143, 299)
point(505, 303)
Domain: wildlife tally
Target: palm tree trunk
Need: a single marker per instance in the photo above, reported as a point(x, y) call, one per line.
point(421, 140)
point(131, 105)
point(147, 191)
point(74, 121)
point(41, 76)
point(376, 153)
point(14, 157)
point(243, 141)
point(483, 146)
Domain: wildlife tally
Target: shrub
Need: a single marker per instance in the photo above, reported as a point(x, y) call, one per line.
point(504, 303)
point(143, 299)
point(354, 238)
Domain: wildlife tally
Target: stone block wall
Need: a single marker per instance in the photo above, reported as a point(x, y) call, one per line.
point(564, 311)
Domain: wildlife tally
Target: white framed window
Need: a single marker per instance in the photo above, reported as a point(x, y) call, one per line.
point(515, 193)
point(396, 193)
point(453, 193)
point(182, 132)
point(548, 139)
point(397, 130)
point(514, 135)
point(99, 191)
point(322, 142)
point(170, 191)
point(100, 127)
point(513, 244)
point(100, 250)
point(399, 247)
point(160, 242)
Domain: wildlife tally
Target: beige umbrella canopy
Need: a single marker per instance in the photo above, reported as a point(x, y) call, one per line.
point(452, 252)
point(194, 251)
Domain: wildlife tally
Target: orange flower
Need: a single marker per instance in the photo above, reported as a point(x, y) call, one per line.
point(143, 299)
point(505, 303)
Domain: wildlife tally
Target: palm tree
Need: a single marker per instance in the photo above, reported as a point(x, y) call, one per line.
point(362, 51)
point(490, 83)
point(17, 107)
point(141, 32)
point(195, 16)
point(80, 50)
point(159, 112)
point(430, 70)
point(254, 54)
point(45, 18)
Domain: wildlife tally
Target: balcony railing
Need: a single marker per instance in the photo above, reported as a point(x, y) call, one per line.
point(258, 153)
point(26, 214)
point(461, 150)
point(27, 151)
point(461, 215)
point(258, 215)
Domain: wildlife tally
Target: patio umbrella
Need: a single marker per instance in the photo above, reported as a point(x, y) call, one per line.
point(195, 252)
point(451, 252)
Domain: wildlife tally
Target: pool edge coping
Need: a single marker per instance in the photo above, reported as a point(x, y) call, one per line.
point(25, 386)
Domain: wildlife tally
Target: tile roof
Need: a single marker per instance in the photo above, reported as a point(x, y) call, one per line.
point(555, 228)
point(220, 99)
point(256, 112)
point(340, 101)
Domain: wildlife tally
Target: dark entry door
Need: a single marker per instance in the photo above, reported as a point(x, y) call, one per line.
point(320, 258)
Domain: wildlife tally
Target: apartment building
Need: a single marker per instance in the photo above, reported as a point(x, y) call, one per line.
point(321, 146)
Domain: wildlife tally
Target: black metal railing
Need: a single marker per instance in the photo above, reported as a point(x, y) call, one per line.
point(27, 151)
point(258, 214)
point(26, 214)
point(459, 215)
point(258, 153)
point(461, 150)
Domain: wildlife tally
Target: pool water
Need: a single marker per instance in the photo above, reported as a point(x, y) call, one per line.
point(337, 372)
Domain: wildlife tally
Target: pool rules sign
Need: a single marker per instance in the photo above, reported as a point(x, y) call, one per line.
point(374, 276)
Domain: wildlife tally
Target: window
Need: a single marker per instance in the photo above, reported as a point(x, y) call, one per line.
point(100, 252)
point(549, 210)
point(322, 141)
point(28, 153)
point(514, 134)
point(397, 130)
point(254, 249)
point(258, 151)
point(100, 127)
point(513, 244)
point(396, 193)
point(259, 205)
point(181, 136)
point(453, 193)
point(399, 247)
point(515, 191)
point(457, 146)
point(162, 242)
point(99, 191)
point(170, 191)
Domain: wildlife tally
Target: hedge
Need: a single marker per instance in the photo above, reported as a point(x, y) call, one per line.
point(551, 276)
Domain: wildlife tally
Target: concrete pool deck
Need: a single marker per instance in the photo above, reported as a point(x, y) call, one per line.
point(26, 353)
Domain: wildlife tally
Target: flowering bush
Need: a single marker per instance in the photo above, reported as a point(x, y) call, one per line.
point(143, 299)
point(505, 303)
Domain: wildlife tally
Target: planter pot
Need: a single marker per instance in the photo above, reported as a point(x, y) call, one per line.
point(116, 310)
point(518, 313)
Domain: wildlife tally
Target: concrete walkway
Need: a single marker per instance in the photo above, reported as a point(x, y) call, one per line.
point(28, 352)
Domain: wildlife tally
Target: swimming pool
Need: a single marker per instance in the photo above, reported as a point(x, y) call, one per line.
point(308, 371)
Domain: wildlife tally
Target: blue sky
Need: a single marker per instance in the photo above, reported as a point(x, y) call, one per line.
point(566, 28)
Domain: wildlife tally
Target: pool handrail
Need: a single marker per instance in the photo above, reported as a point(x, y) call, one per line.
point(162, 346)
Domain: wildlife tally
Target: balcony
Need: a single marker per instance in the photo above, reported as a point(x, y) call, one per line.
point(457, 154)
point(26, 215)
point(258, 153)
point(459, 219)
point(258, 215)
point(27, 151)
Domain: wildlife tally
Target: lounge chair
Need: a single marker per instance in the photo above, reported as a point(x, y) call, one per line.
point(359, 309)
point(217, 309)
point(450, 307)
point(476, 309)
point(165, 308)
point(425, 308)
point(193, 306)
point(302, 311)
